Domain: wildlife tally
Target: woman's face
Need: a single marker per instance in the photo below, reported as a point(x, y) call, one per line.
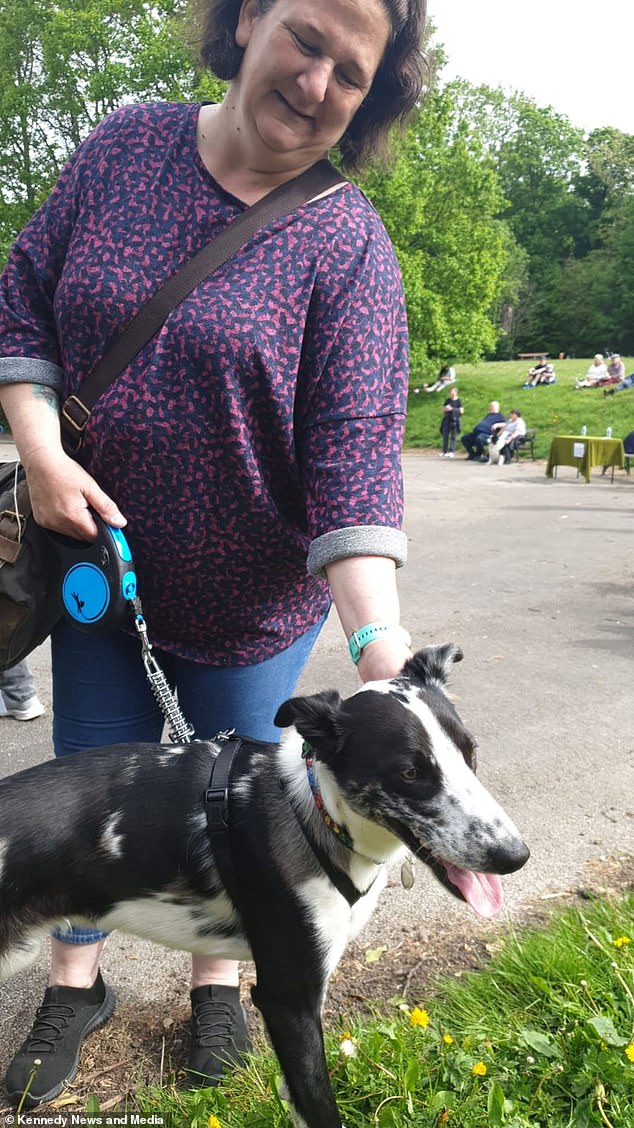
point(306, 69)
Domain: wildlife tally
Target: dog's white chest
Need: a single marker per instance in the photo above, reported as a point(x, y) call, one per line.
point(334, 921)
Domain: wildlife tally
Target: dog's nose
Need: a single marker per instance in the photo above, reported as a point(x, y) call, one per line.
point(510, 857)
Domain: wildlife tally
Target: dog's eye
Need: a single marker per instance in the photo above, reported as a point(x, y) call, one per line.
point(410, 774)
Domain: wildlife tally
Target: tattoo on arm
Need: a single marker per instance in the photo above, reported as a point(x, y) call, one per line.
point(49, 395)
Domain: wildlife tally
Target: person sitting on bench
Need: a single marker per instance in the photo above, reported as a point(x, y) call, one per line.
point(476, 440)
point(505, 438)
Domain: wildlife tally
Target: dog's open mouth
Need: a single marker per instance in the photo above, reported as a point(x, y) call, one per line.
point(482, 891)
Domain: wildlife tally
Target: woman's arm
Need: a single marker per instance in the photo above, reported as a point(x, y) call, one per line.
point(364, 591)
point(61, 490)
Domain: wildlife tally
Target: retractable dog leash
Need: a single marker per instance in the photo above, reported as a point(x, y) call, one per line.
point(180, 731)
point(98, 590)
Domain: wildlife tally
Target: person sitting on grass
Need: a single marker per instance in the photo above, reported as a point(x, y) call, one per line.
point(626, 382)
point(446, 376)
point(616, 369)
point(506, 438)
point(542, 373)
point(597, 373)
point(475, 441)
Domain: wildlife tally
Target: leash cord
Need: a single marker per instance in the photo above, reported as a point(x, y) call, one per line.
point(180, 731)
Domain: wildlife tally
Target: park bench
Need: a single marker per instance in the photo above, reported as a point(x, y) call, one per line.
point(526, 443)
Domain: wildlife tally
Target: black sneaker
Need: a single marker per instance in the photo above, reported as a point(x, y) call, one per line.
point(66, 1016)
point(219, 1034)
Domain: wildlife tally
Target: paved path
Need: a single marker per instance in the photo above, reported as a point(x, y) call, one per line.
point(533, 578)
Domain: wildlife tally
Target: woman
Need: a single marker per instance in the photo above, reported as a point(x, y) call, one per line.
point(596, 374)
point(252, 448)
point(450, 423)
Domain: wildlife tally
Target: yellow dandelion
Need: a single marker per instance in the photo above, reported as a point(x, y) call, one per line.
point(213, 1122)
point(479, 1069)
point(629, 1051)
point(621, 941)
point(447, 1039)
point(419, 1017)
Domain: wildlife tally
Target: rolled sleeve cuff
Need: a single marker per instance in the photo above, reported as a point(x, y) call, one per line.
point(29, 370)
point(358, 540)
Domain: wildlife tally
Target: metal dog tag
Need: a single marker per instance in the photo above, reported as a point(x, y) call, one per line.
point(408, 874)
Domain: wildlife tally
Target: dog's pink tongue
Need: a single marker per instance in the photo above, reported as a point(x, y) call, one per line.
point(483, 891)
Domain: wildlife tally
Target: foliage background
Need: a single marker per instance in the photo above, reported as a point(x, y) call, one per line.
point(514, 229)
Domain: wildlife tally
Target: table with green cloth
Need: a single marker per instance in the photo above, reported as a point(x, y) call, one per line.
point(583, 452)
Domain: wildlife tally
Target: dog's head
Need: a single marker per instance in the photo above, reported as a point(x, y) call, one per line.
point(398, 756)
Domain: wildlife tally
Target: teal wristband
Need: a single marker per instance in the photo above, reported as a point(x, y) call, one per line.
point(370, 633)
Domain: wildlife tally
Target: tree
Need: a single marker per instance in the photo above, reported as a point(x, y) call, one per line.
point(440, 201)
point(618, 238)
point(509, 308)
point(540, 159)
point(64, 64)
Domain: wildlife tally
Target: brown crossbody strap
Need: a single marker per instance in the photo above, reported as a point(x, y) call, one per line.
point(149, 319)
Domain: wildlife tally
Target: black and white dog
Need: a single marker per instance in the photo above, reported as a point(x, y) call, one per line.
point(282, 862)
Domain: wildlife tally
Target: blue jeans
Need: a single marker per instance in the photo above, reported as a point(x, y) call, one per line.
point(17, 685)
point(101, 696)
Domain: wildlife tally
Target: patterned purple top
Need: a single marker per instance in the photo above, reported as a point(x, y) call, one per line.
point(262, 426)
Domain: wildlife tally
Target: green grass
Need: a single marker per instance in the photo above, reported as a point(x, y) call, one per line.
point(557, 409)
point(542, 1037)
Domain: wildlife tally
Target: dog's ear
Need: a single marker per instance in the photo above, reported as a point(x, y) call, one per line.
point(432, 664)
point(315, 718)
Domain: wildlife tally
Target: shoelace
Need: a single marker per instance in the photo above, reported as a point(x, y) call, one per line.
point(54, 1017)
point(213, 1023)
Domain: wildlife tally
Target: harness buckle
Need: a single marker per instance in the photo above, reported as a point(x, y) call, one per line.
point(217, 804)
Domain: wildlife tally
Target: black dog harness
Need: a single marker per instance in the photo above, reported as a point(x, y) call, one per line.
point(217, 810)
point(217, 801)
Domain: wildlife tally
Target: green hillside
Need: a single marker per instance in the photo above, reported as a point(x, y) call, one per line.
point(555, 409)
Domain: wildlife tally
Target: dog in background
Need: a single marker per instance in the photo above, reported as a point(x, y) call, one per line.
point(122, 838)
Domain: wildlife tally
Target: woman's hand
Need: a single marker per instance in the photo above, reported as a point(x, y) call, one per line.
point(384, 658)
point(62, 492)
point(364, 591)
